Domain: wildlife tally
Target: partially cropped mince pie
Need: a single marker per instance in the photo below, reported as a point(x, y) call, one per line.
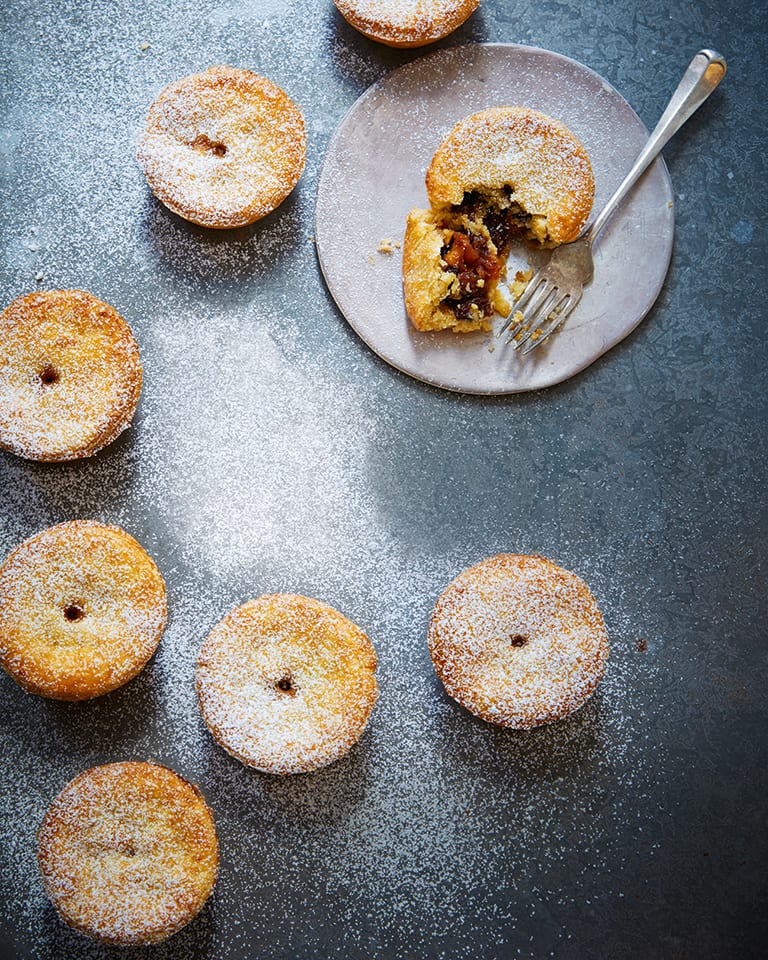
point(503, 175)
point(406, 23)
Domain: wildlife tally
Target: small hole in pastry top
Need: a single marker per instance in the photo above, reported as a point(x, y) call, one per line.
point(48, 375)
point(73, 613)
point(285, 685)
point(122, 845)
point(518, 640)
point(205, 145)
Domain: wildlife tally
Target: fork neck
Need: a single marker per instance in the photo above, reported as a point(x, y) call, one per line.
point(704, 73)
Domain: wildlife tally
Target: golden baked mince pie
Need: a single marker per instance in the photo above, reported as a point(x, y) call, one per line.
point(503, 175)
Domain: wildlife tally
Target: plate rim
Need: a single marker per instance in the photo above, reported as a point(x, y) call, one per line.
point(458, 50)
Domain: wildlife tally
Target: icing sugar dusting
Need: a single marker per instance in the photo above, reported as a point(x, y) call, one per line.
point(408, 22)
point(128, 852)
point(286, 683)
point(82, 608)
point(223, 148)
point(70, 375)
point(535, 156)
point(518, 641)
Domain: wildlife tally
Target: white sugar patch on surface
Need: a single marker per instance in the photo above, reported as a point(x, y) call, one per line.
point(269, 457)
point(256, 473)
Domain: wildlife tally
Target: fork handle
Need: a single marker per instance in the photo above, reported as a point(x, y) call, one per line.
point(704, 73)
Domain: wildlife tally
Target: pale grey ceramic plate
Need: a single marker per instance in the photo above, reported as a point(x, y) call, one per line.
point(373, 174)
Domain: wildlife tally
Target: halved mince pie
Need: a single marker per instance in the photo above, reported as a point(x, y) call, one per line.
point(502, 175)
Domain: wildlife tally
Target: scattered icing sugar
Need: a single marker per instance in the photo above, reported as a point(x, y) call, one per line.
point(82, 608)
point(70, 375)
point(128, 851)
point(534, 155)
point(286, 684)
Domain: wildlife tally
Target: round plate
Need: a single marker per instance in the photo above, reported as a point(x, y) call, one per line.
point(373, 174)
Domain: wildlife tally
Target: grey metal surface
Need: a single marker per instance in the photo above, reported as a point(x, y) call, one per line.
point(273, 450)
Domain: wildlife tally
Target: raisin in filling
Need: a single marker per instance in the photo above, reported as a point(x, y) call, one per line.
point(504, 226)
point(477, 268)
point(504, 218)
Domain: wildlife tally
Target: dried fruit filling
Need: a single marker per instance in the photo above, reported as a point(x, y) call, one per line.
point(477, 268)
point(503, 222)
point(471, 256)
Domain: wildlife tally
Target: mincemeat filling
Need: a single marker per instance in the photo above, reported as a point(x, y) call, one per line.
point(471, 258)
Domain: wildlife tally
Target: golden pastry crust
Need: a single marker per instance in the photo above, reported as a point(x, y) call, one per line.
point(70, 375)
point(406, 23)
point(518, 641)
point(82, 609)
point(431, 290)
point(128, 853)
point(223, 148)
point(536, 158)
point(286, 683)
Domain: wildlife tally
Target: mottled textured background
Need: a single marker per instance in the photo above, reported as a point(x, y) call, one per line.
point(273, 451)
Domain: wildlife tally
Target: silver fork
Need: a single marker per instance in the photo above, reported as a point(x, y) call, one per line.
point(553, 293)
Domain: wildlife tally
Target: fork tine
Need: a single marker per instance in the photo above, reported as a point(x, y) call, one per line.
point(522, 303)
point(557, 321)
point(539, 309)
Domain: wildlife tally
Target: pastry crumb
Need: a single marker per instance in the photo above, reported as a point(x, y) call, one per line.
point(386, 246)
point(516, 321)
point(370, 259)
point(144, 45)
point(521, 281)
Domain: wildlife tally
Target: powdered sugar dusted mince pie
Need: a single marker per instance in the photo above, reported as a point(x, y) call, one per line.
point(286, 683)
point(82, 609)
point(223, 148)
point(502, 174)
point(128, 853)
point(406, 23)
point(70, 375)
point(518, 641)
